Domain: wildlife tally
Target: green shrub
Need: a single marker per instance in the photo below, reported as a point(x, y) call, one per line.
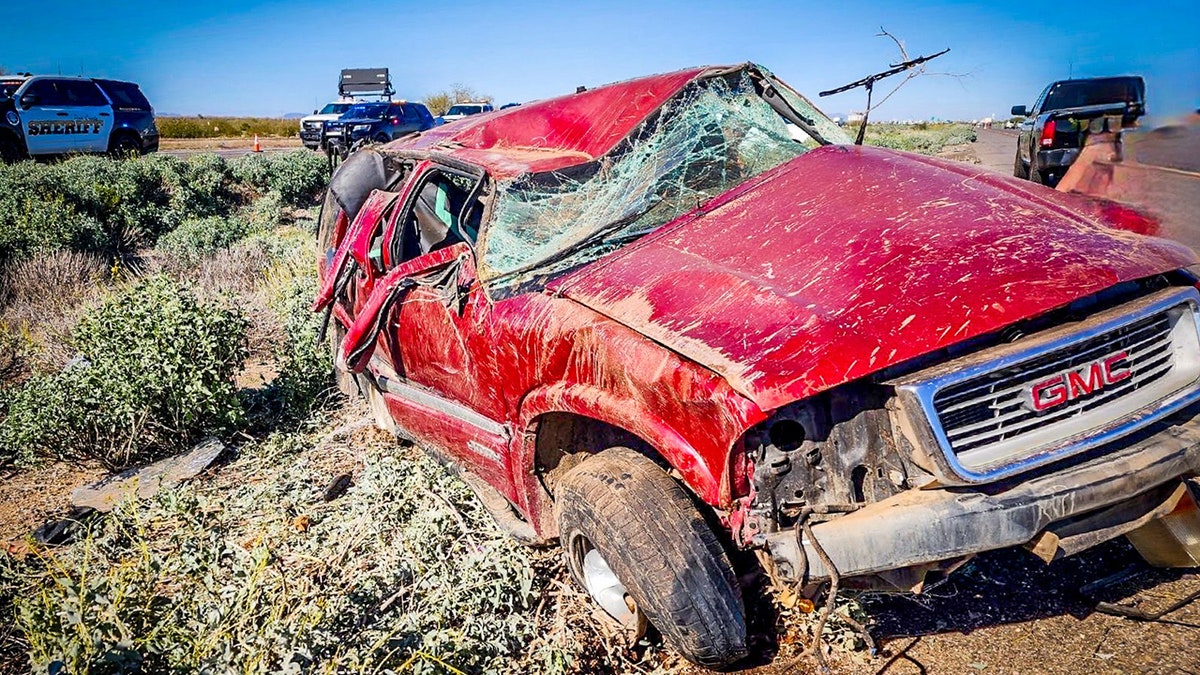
point(296, 176)
point(98, 204)
point(200, 237)
point(155, 373)
point(265, 213)
point(29, 226)
point(305, 366)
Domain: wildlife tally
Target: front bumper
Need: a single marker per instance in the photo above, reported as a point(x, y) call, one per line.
point(1114, 492)
point(310, 138)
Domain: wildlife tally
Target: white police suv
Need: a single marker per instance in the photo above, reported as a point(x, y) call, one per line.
point(53, 115)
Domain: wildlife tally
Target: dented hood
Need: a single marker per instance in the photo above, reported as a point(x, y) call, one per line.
point(847, 260)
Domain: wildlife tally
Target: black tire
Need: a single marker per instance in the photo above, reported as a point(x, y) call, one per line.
point(382, 138)
point(10, 152)
point(669, 561)
point(125, 145)
point(1034, 174)
point(1019, 168)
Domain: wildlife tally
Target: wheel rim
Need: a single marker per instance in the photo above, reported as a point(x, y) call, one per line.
point(602, 584)
point(605, 588)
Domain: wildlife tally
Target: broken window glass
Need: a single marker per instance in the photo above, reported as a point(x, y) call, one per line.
point(715, 134)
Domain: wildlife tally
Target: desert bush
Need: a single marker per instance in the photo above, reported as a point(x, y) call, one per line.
point(41, 299)
point(305, 379)
point(31, 223)
point(297, 176)
point(265, 213)
point(14, 365)
point(200, 237)
point(155, 371)
point(225, 127)
point(94, 203)
point(405, 572)
point(200, 186)
point(28, 288)
point(923, 138)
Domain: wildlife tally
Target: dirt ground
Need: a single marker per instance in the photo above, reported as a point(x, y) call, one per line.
point(1004, 612)
point(225, 147)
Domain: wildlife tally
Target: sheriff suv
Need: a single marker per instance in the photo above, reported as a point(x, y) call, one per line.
point(51, 115)
point(658, 335)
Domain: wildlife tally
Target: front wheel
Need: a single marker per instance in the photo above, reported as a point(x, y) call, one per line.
point(124, 146)
point(635, 541)
point(1019, 168)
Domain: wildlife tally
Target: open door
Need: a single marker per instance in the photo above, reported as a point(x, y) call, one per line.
point(422, 334)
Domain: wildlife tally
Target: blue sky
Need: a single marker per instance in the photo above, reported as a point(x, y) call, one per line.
point(257, 57)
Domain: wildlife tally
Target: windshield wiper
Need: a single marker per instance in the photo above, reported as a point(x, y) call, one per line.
point(770, 94)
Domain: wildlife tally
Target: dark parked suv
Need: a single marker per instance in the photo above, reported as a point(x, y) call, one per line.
point(378, 122)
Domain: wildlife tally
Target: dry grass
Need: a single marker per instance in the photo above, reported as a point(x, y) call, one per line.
point(42, 297)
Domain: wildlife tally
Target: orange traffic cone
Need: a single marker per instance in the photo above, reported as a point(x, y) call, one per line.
point(257, 147)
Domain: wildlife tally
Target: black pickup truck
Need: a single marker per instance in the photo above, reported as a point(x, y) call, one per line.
point(1057, 125)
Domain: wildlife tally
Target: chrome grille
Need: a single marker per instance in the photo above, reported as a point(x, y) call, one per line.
point(992, 408)
point(981, 411)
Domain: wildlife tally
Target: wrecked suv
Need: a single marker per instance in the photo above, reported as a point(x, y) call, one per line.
point(646, 321)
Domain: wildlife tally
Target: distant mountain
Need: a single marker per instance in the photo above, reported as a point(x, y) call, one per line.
point(293, 116)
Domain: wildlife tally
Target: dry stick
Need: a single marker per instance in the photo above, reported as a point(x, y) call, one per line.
point(834, 579)
point(1142, 615)
point(862, 630)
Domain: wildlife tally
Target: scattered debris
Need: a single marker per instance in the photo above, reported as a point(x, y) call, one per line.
point(63, 530)
point(146, 481)
point(338, 486)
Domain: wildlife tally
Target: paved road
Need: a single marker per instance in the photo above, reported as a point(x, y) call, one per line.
point(996, 149)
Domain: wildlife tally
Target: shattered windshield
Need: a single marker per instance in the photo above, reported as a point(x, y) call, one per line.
point(715, 134)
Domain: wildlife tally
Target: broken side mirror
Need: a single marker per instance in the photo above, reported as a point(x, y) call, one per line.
point(443, 268)
point(1020, 111)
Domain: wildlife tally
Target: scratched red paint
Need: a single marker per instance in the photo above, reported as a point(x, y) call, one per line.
point(833, 266)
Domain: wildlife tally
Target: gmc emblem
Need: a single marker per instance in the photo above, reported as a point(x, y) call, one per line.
point(1072, 384)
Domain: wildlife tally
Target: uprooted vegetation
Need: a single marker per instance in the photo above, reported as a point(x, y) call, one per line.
point(238, 574)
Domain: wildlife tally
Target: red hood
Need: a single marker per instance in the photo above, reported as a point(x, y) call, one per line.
point(848, 260)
